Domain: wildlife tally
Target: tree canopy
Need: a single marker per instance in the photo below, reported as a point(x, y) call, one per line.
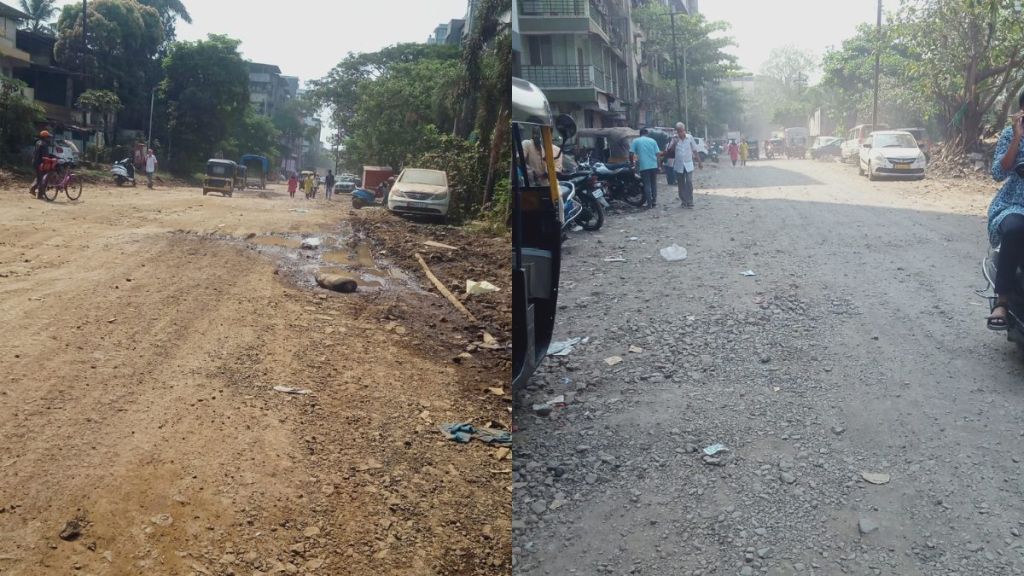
point(206, 87)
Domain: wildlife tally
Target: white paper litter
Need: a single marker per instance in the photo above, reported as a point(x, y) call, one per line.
point(749, 273)
point(673, 253)
point(615, 259)
point(290, 390)
point(563, 348)
point(485, 287)
point(310, 243)
point(715, 449)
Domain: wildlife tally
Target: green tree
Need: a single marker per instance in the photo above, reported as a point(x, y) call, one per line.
point(206, 87)
point(397, 114)
point(701, 44)
point(102, 102)
point(255, 134)
point(124, 38)
point(967, 58)
point(18, 116)
point(170, 12)
point(40, 13)
point(338, 92)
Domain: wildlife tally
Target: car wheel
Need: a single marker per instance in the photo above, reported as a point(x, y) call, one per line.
point(871, 173)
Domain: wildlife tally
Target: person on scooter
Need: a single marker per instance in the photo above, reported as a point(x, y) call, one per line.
point(1006, 215)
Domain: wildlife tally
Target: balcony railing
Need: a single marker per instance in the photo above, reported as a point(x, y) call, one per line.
point(597, 17)
point(551, 8)
point(569, 77)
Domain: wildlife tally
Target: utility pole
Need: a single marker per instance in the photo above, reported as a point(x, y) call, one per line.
point(675, 66)
point(149, 134)
point(878, 57)
point(686, 91)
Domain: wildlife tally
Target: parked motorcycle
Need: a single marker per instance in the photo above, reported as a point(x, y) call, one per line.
point(124, 172)
point(620, 181)
point(589, 194)
point(571, 207)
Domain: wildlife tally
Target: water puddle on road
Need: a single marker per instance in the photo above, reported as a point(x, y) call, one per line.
point(338, 252)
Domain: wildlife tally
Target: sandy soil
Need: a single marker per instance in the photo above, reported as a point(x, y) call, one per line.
point(144, 333)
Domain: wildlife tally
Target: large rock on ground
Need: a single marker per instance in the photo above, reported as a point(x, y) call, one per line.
point(335, 282)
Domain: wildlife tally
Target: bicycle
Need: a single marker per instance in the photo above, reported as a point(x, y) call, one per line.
point(62, 179)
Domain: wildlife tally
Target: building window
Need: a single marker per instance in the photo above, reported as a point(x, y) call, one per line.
point(540, 50)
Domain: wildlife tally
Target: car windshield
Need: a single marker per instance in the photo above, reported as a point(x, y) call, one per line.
point(426, 177)
point(894, 141)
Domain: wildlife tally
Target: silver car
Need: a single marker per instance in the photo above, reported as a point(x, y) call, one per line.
point(420, 191)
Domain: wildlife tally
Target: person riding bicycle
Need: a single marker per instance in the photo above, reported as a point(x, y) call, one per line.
point(39, 156)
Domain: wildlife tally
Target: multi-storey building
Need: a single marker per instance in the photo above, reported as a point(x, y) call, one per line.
point(587, 56)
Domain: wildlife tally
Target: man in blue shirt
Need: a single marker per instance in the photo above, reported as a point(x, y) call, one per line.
point(644, 151)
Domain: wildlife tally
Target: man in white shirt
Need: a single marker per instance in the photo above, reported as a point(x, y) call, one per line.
point(536, 163)
point(150, 167)
point(685, 148)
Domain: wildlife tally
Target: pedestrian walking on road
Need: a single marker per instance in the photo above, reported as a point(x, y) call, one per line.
point(644, 151)
point(293, 185)
point(683, 149)
point(734, 151)
point(329, 184)
point(39, 154)
point(744, 152)
point(151, 163)
point(307, 186)
point(1006, 216)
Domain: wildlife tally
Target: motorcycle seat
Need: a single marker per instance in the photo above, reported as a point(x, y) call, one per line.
point(609, 169)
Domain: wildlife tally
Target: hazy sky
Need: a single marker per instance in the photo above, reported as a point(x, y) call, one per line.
point(757, 26)
point(306, 38)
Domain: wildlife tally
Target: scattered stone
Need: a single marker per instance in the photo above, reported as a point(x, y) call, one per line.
point(72, 530)
point(335, 282)
point(763, 552)
point(1015, 531)
point(875, 477)
point(311, 532)
point(163, 520)
point(866, 526)
point(746, 571)
point(838, 430)
point(975, 547)
point(787, 477)
point(542, 410)
point(538, 507)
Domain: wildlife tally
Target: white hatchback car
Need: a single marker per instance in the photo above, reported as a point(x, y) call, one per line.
point(420, 191)
point(892, 153)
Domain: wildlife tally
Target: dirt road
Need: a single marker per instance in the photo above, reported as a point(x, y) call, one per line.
point(144, 334)
point(872, 423)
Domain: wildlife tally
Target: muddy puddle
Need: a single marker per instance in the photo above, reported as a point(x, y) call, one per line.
point(336, 252)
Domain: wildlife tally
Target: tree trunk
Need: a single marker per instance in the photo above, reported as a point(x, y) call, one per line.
point(497, 142)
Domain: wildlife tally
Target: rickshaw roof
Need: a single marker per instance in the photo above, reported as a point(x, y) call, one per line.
point(529, 104)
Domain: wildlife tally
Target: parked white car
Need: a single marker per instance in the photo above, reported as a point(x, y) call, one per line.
point(892, 153)
point(420, 191)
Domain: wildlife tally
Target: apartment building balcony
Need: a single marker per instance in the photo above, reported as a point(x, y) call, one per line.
point(561, 17)
point(572, 83)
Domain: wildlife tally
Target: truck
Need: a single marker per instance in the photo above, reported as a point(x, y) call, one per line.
point(374, 175)
point(796, 142)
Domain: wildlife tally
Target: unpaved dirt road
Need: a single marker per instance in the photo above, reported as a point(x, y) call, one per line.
point(143, 335)
point(858, 347)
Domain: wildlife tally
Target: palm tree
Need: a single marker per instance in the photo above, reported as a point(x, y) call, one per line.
point(488, 42)
point(170, 11)
point(40, 13)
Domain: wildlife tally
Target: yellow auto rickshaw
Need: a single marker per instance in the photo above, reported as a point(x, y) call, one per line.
point(220, 176)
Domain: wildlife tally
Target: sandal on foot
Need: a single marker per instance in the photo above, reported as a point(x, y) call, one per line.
point(998, 323)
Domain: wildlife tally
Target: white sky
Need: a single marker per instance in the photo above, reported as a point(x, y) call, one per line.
point(306, 38)
point(757, 26)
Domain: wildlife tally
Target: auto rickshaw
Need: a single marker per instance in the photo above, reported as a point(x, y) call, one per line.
point(220, 176)
point(536, 219)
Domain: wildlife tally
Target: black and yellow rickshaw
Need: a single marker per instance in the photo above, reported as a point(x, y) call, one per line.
point(537, 216)
point(220, 176)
